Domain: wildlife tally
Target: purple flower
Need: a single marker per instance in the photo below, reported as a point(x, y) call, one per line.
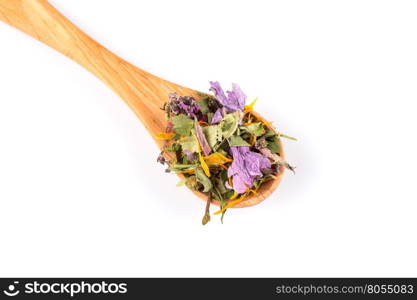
point(183, 105)
point(237, 96)
point(218, 92)
point(246, 166)
point(190, 156)
point(235, 99)
point(217, 117)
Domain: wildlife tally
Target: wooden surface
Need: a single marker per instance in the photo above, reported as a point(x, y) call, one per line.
point(142, 91)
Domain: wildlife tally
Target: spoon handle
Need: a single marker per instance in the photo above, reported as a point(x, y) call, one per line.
point(142, 91)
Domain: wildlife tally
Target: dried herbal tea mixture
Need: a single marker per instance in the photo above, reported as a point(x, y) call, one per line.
point(219, 146)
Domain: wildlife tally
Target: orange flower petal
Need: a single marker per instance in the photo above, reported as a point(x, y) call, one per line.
point(231, 204)
point(165, 135)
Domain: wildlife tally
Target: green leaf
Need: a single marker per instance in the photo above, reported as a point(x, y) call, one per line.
point(192, 183)
point(225, 153)
point(203, 103)
point(270, 133)
point(260, 181)
point(287, 137)
point(203, 179)
point(273, 145)
point(228, 194)
point(173, 147)
point(182, 124)
point(230, 123)
point(213, 134)
point(219, 182)
point(256, 129)
point(223, 202)
point(177, 167)
point(236, 141)
point(189, 143)
point(209, 117)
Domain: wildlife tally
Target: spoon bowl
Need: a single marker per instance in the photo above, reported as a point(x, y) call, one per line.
point(143, 92)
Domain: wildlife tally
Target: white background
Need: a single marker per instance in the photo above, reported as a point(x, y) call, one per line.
point(82, 195)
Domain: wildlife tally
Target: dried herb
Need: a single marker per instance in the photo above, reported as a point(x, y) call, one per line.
point(204, 180)
point(206, 217)
point(236, 140)
point(182, 124)
point(219, 147)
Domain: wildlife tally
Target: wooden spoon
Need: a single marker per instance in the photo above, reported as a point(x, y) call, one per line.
point(143, 92)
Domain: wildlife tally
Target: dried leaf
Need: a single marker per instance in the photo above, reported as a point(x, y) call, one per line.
point(213, 134)
point(287, 137)
point(192, 183)
point(189, 143)
point(230, 124)
point(273, 145)
point(182, 124)
point(236, 141)
point(203, 179)
point(173, 147)
point(256, 129)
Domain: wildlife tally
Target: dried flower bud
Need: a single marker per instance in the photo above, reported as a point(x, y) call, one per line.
point(261, 143)
point(161, 159)
point(206, 219)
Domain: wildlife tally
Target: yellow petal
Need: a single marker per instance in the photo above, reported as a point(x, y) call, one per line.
point(234, 196)
point(216, 159)
point(230, 181)
point(204, 165)
point(249, 108)
point(203, 123)
point(252, 191)
point(202, 162)
point(165, 135)
point(231, 204)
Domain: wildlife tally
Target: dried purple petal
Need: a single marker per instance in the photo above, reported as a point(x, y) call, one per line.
point(218, 92)
point(268, 153)
point(246, 167)
point(255, 162)
point(277, 159)
point(217, 117)
point(190, 155)
point(273, 170)
point(240, 185)
point(235, 99)
point(201, 138)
